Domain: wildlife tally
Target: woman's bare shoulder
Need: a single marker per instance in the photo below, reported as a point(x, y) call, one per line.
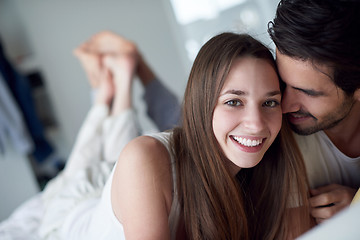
point(145, 150)
point(142, 186)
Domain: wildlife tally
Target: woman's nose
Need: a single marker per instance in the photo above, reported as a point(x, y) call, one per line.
point(254, 120)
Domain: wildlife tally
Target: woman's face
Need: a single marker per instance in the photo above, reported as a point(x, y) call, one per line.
point(247, 116)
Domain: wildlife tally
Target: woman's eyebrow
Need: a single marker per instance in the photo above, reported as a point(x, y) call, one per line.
point(273, 93)
point(239, 92)
point(235, 92)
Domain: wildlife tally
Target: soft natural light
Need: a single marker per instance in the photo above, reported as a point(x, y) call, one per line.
point(192, 48)
point(249, 17)
point(188, 11)
point(225, 4)
point(199, 20)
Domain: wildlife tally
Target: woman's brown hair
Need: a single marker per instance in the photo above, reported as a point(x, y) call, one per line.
point(214, 204)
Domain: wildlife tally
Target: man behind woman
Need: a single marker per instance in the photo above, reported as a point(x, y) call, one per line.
point(229, 171)
point(225, 173)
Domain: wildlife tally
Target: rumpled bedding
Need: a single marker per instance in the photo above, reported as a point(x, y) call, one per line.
point(24, 222)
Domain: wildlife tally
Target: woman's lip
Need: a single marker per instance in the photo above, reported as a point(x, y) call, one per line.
point(249, 137)
point(249, 149)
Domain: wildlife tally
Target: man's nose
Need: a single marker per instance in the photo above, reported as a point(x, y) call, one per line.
point(290, 101)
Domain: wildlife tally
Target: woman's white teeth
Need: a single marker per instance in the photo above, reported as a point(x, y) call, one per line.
point(248, 142)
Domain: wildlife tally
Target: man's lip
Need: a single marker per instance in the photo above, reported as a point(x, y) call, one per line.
point(297, 118)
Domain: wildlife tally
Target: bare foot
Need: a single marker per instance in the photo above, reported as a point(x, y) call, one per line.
point(122, 68)
point(91, 63)
point(106, 88)
point(107, 42)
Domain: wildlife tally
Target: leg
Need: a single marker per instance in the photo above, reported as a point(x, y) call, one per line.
point(109, 62)
point(163, 105)
point(88, 146)
point(121, 127)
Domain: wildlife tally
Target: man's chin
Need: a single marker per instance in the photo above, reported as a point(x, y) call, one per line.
point(304, 131)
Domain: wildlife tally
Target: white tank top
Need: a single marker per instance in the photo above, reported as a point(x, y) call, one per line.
point(95, 219)
point(326, 164)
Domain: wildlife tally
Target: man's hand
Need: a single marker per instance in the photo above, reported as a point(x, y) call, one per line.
point(328, 200)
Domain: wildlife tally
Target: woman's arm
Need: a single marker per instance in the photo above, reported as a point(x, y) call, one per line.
point(141, 191)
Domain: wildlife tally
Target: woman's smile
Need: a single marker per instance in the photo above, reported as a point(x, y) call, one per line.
point(248, 144)
point(247, 117)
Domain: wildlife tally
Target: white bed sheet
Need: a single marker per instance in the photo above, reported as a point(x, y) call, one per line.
point(24, 222)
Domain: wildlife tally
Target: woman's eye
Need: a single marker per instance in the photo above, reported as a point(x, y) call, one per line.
point(271, 103)
point(233, 103)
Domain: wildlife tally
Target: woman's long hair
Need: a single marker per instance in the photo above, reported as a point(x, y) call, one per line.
point(214, 204)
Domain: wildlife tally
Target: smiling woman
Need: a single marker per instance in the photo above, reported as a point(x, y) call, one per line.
point(226, 170)
point(229, 171)
point(248, 115)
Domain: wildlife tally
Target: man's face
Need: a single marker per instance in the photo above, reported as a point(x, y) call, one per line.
point(311, 101)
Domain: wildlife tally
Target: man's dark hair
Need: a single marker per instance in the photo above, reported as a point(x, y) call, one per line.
point(324, 32)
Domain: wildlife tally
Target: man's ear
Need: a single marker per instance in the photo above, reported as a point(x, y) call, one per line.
point(357, 94)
